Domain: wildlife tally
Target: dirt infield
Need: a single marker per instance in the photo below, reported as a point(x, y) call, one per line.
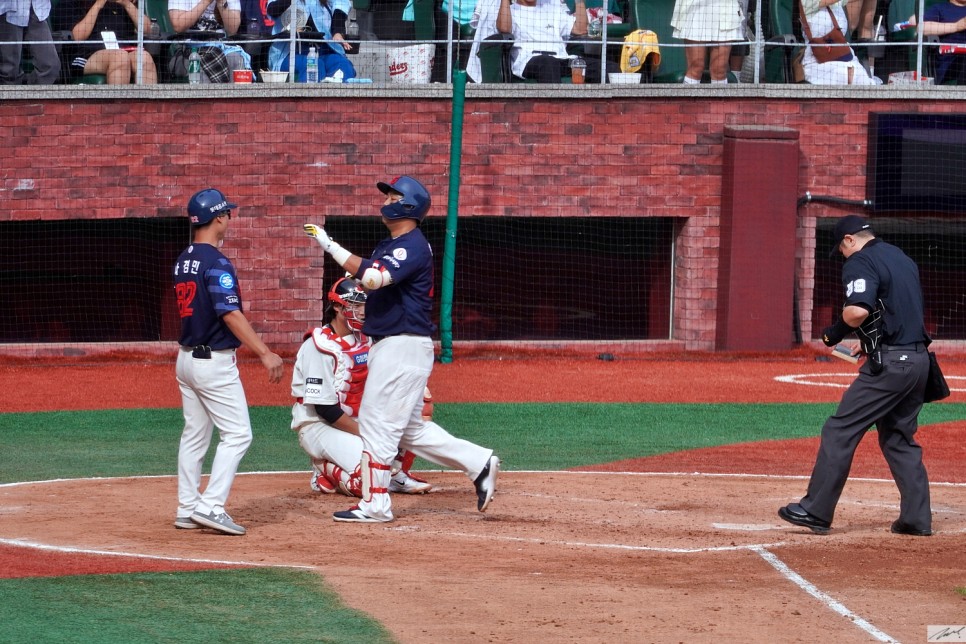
point(680, 547)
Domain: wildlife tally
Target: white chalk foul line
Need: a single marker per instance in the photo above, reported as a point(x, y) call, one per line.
point(602, 546)
point(812, 590)
point(21, 543)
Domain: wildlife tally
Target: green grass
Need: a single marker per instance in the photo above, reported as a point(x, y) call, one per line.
point(532, 436)
point(248, 605)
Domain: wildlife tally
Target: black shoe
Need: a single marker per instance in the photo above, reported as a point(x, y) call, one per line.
point(485, 483)
point(795, 513)
point(898, 527)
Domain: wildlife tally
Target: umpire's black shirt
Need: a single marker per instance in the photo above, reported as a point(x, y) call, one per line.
point(880, 271)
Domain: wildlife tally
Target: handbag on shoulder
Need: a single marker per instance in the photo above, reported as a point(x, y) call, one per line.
point(831, 46)
point(936, 387)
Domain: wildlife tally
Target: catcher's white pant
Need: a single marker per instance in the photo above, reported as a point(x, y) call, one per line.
point(390, 418)
point(211, 394)
point(322, 442)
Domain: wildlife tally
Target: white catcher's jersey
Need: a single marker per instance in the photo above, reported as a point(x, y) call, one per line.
point(328, 369)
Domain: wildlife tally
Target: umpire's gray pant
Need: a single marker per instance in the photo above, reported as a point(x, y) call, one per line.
point(890, 400)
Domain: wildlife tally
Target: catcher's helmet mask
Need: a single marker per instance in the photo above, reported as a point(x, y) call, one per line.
point(414, 202)
point(347, 293)
point(208, 204)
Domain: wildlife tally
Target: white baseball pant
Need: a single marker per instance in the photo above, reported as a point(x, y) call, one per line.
point(211, 394)
point(390, 417)
point(325, 443)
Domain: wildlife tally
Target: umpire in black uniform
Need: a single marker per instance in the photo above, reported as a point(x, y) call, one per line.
point(884, 307)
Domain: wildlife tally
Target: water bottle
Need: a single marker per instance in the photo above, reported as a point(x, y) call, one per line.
point(194, 67)
point(155, 28)
point(254, 28)
point(312, 66)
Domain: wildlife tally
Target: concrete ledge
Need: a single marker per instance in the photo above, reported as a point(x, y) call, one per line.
point(266, 91)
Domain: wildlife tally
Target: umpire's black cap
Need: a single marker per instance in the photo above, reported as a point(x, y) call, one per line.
point(848, 225)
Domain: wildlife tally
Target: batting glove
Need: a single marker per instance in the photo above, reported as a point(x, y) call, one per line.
point(318, 233)
point(339, 254)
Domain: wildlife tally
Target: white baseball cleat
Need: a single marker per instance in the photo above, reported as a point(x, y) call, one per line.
point(402, 483)
point(485, 483)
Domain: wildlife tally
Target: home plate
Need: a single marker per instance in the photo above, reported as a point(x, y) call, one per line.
point(746, 527)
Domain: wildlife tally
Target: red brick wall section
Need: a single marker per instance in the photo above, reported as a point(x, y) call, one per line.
point(290, 160)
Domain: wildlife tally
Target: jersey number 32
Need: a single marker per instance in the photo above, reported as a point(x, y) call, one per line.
point(186, 295)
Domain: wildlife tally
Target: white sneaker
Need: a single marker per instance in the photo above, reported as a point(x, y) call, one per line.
point(220, 522)
point(402, 483)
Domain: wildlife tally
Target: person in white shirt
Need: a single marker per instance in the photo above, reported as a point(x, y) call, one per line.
point(541, 29)
point(823, 16)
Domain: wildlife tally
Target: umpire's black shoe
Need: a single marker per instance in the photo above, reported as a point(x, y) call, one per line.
point(898, 527)
point(795, 513)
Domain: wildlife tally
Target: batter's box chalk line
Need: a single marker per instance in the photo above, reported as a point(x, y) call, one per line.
point(820, 380)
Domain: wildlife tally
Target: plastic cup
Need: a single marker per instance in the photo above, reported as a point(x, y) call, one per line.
point(578, 71)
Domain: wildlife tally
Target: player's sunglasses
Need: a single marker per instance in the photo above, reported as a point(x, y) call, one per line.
point(227, 212)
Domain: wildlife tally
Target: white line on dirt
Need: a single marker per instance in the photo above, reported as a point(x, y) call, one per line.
point(604, 546)
point(816, 380)
point(812, 590)
point(748, 527)
point(133, 555)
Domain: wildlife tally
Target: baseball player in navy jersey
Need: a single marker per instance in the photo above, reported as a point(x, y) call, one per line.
point(327, 384)
point(884, 308)
point(399, 281)
point(212, 327)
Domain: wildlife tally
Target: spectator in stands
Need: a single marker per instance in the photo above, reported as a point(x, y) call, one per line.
point(823, 16)
point(255, 20)
point(205, 15)
point(708, 27)
point(541, 30)
point(22, 20)
point(861, 13)
point(461, 31)
point(613, 7)
point(483, 23)
point(948, 21)
point(86, 20)
point(387, 20)
point(326, 17)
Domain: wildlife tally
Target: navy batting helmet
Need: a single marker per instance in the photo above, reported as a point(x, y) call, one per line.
point(207, 204)
point(415, 200)
point(347, 292)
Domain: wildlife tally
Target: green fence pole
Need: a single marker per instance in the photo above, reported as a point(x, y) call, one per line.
point(449, 249)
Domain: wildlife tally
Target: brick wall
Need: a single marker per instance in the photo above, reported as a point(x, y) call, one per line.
point(291, 160)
